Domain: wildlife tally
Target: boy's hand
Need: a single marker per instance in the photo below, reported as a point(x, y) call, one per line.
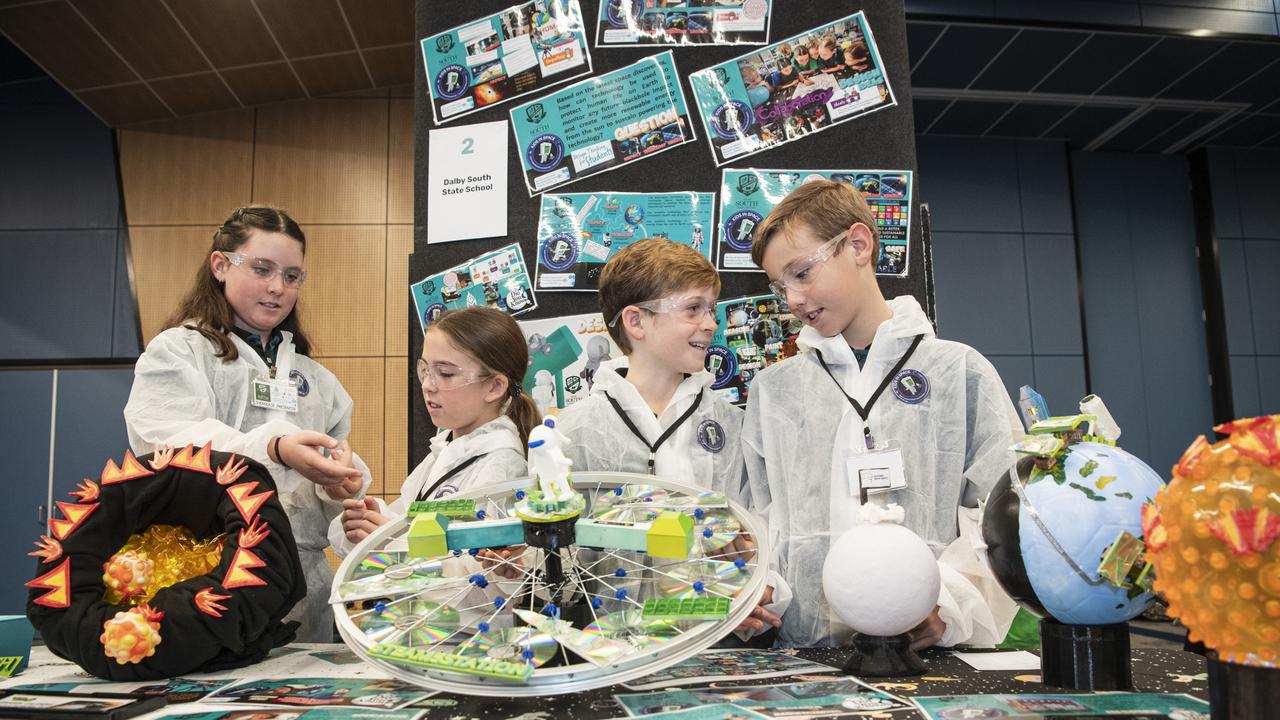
point(742, 548)
point(928, 633)
point(760, 618)
point(360, 517)
point(504, 561)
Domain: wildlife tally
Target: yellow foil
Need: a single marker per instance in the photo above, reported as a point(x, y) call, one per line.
point(176, 555)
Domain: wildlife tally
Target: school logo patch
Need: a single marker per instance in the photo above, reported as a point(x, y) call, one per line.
point(911, 386)
point(452, 82)
point(535, 112)
point(304, 387)
point(711, 436)
point(444, 43)
point(748, 184)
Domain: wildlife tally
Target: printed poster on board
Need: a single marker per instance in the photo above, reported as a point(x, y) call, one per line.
point(805, 84)
point(564, 355)
point(698, 22)
point(577, 234)
point(498, 279)
point(752, 333)
point(601, 123)
point(747, 196)
point(523, 49)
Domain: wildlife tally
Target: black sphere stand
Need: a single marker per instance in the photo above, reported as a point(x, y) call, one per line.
point(879, 656)
point(1241, 692)
point(1085, 657)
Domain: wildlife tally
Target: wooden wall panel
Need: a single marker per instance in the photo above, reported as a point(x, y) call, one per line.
point(344, 297)
point(396, 426)
point(399, 245)
point(400, 163)
point(363, 379)
point(192, 171)
point(164, 268)
point(324, 160)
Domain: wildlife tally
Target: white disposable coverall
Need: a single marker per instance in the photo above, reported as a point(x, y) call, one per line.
point(796, 435)
point(183, 394)
point(500, 455)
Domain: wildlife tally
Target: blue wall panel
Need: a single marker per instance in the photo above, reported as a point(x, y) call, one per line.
point(1147, 353)
point(970, 184)
point(1263, 258)
point(1060, 379)
point(982, 291)
point(1053, 290)
point(1042, 178)
point(58, 288)
point(1245, 394)
point(90, 424)
point(24, 425)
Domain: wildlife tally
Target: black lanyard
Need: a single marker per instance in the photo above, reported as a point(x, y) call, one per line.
point(453, 471)
point(865, 412)
point(653, 449)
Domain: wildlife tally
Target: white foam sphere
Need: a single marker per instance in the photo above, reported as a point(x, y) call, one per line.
point(881, 579)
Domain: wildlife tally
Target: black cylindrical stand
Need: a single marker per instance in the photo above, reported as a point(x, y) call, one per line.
point(877, 656)
point(1240, 692)
point(1085, 657)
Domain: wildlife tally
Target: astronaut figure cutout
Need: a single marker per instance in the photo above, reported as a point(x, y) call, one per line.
point(549, 463)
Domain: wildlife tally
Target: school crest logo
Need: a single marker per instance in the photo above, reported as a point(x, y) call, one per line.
point(444, 43)
point(711, 436)
point(535, 113)
point(722, 76)
point(911, 386)
point(304, 387)
point(748, 184)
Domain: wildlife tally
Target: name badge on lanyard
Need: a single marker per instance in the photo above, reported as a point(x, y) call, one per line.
point(879, 469)
point(275, 394)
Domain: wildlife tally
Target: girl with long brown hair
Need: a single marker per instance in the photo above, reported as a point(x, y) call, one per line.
point(472, 372)
point(233, 369)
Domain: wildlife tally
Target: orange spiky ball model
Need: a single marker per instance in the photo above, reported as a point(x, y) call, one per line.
point(132, 635)
point(127, 574)
point(1214, 537)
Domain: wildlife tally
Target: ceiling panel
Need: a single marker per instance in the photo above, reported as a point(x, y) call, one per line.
point(1028, 59)
point(1168, 60)
point(1135, 135)
point(959, 55)
point(264, 84)
point(969, 118)
point(1029, 120)
point(333, 74)
point(1082, 125)
point(195, 94)
point(61, 42)
point(1246, 132)
point(1096, 62)
point(1227, 69)
point(307, 27)
point(376, 23)
point(1179, 131)
point(230, 32)
point(145, 34)
point(926, 111)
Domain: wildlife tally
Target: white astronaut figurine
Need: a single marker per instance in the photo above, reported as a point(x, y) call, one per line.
point(549, 463)
point(544, 391)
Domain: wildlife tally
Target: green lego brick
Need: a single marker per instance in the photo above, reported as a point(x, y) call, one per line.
point(455, 509)
point(470, 664)
point(702, 608)
point(427, 535)
point(670, 536)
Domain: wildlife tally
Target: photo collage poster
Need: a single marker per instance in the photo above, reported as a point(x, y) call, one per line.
point(577, 234)
point(521, 50)
point(786, 91)
point(626, 23)
point(747, 196)
point(498, 279)
point(752, 333)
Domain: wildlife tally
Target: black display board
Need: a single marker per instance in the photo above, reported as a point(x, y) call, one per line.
point(881, 140)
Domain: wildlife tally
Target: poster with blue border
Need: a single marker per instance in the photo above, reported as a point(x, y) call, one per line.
point(634, 23)
point(578, 233)
point(752, 333)
point(498, 278)
point(747, 196)
point(769, 97)
point(522, 49)
point(602, 123)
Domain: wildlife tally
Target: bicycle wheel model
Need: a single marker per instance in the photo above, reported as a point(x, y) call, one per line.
point(649, 573)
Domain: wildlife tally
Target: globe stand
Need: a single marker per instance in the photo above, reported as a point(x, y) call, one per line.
point(879, 656)
point(1237, 692)
point(1085, 657)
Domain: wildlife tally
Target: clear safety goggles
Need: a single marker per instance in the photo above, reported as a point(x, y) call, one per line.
point(446, 377)
point(688, 309)
point(265, 270)
point(800, 273)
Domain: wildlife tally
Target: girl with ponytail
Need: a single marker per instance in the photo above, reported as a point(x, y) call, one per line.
point(471, 373)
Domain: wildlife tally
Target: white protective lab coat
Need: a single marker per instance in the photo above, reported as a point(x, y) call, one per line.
point(500, 455)
point(795, 435)
point(183, 394)
point(599, 440)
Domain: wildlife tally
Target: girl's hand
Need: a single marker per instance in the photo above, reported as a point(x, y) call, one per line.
point(304, 452)
point(928, 633)
point(759, 617)
point(349, 487)
point(361, 517)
